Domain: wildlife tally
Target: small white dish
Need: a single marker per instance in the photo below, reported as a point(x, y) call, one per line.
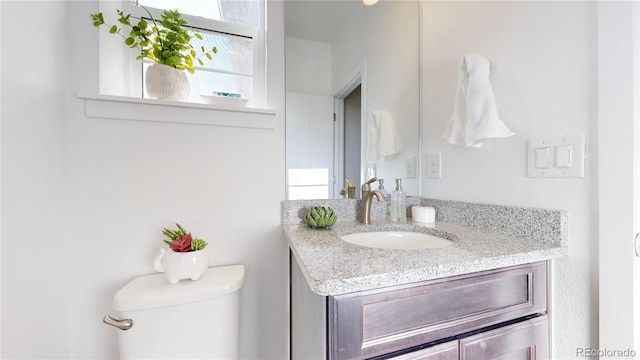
point(224, 100)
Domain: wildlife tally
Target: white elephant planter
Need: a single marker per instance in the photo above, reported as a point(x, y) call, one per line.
point(181, 265)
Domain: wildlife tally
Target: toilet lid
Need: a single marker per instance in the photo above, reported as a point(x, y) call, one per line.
point(152, 291)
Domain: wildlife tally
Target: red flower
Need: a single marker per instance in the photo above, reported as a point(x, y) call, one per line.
point(181, 244)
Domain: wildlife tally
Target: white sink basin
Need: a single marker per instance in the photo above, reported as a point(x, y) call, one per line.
point(404, 240)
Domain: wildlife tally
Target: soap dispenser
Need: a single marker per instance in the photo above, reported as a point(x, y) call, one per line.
point(381, 187)
point(398, 203)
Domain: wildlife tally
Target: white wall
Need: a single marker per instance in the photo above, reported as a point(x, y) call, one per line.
point(0, 180)
point(35, 246)
point(87, 198)
point(543, 71)
point(308, 65)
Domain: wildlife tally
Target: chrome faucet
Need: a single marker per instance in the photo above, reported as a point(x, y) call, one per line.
point(365, 215)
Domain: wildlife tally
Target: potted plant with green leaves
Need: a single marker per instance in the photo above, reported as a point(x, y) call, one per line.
point(186, 257)
point(166, 42)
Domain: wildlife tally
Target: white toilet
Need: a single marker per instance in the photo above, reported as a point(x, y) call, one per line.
point(188, 320)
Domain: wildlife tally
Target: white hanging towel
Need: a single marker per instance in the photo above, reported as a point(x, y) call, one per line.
point(475, 117)
point(382, 140)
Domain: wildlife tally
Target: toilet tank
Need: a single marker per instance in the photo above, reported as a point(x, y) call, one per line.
point(188, 320)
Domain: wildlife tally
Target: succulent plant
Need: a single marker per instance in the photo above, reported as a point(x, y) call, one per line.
point(198, 244)
point(320, 217)
point(181, 241)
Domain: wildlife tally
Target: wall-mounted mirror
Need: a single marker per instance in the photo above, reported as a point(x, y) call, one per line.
point(352, 83)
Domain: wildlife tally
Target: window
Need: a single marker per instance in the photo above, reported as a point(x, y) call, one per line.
point(235, 27)
point(308, 184)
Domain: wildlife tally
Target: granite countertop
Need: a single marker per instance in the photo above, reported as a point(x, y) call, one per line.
point(332, 266)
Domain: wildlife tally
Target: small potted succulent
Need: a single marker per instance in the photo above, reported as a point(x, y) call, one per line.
point(166, 42)
point(320, 217)
point(186, 257)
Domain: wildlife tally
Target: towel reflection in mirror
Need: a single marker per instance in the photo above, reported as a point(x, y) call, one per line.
point(382, 139)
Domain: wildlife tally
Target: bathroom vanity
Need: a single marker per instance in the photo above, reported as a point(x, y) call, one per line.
point(485, 296)
point(501, 312)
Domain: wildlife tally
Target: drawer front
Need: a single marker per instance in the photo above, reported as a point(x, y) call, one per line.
point(527, 340)
point(374, 323)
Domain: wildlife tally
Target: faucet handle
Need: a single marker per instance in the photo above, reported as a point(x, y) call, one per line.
point(367, 184)
point(366, 187)
point(373, 179)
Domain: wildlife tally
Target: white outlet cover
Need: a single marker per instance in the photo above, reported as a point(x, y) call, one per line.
point(434, 166)
point(371, 170)
point(566, 157)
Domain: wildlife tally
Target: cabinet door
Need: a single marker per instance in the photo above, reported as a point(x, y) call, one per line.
point(528, 340)
point(445, 351)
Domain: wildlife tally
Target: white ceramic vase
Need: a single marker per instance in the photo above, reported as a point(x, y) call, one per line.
point(181, 265)
point(166, 83)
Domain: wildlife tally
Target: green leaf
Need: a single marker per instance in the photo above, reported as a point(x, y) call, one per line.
point(162, 41)
point(157, 53)
point(215, 50)
point(198, 244)
point(174, 61)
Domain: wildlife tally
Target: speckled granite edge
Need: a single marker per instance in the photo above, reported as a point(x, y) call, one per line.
point(544, 225)
point(332, 266)
point(338, 286)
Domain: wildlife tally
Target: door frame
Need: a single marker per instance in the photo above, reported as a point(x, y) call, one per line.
point(357, 77)
point(618, 166)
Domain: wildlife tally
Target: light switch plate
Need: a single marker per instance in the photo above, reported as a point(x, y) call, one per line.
point(557, 157)
point(434, 165)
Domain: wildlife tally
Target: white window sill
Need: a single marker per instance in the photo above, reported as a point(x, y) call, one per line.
point(128, 108)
